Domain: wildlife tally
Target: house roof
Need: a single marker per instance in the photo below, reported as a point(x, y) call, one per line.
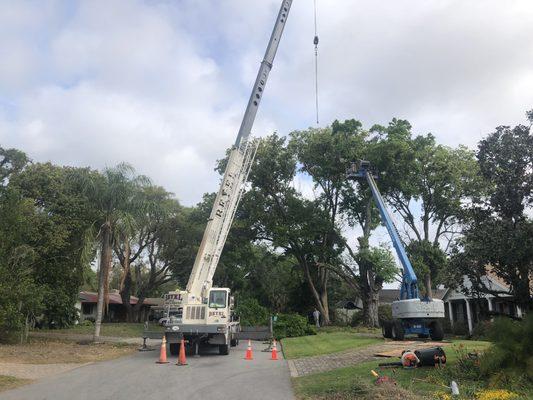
point(114, 298)
point(488, 280)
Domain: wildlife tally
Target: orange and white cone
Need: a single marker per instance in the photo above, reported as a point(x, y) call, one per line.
point(182, 360)
point(249, 355)
point(163, 353)
point(274, 355)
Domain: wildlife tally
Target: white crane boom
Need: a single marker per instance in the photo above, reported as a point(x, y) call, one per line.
point(239, 164)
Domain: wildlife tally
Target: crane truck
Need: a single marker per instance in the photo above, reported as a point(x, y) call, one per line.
point(203, 314)
point(411, 315)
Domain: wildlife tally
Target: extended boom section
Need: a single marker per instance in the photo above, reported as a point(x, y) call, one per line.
point(203, 314)
point(219, 223)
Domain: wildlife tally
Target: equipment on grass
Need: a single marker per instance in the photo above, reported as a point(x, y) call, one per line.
point(411, 314)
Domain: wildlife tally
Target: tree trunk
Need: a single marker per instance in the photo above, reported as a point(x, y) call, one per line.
point(369, 286)
point(370, 308)
point(136, 309)
point(125, 281)
point(427, 284)
point(125, 295)
point(322, 307)
point(324, 297)
point(105, 266)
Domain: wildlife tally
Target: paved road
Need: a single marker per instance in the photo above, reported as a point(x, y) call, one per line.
point(138, 378)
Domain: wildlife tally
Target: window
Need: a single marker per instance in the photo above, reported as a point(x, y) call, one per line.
point(86, 308)
point(217, 299)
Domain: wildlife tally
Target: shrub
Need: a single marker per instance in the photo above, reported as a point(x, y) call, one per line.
point(86, 322)
point(481, 329)
point(384, 312)
point(357, 318)
point(292, 325)
point(460, 328)
point(511, 352)
point(252, 313)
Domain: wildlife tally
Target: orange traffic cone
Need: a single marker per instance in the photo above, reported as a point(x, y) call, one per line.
point(182, 360)
point(274, 351)
point(249, 355)
point(163, 353)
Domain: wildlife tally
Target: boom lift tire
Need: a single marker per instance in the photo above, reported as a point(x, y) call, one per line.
point(386, 329)
point(435, 331)
point(397, 330)
point(174, 348)
point(223, 349)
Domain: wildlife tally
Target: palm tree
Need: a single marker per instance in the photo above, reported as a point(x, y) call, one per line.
point(115, 196)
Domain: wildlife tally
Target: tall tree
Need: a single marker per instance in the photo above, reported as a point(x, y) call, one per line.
point(325, 155)
point(11, 162)
point(115, 196)
point(498, 235)
point(282, 217)
point(61, 214)
point(426, 184)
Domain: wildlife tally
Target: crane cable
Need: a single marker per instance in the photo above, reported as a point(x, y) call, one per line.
point(315, 42)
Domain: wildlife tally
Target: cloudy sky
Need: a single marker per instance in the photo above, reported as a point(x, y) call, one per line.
point(163, 84)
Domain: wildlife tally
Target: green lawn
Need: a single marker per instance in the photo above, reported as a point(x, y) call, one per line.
point(10, 382)
point(357, 381)
point(325, 343)
point(110, 329)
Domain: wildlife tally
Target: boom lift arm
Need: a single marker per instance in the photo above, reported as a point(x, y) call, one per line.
point(409, 288)
point(231, 189)
point(410, 314)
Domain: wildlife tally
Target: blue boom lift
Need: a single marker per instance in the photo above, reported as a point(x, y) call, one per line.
point(411, 314)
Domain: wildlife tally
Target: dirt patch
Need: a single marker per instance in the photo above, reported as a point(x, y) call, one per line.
point(43, 351)
point(10, 382)
point(34, 371)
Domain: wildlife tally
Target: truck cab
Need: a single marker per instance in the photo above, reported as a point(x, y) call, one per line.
point(208, 322)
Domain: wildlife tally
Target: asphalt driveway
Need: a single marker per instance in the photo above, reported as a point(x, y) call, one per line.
point(138, 377)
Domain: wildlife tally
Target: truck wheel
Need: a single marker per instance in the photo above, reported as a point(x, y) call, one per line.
point(174, 348)
point(386, 329)
point(397, 330)
point(435, 331)
point(234, 342)
point(223, 349)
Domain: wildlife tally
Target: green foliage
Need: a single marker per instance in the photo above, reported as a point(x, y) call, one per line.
point(427, 258)
point(251, 313)
point(381, 261)
point(511, 352)
point(357, 319)
point(292, 325)
point(12, 161)
point(498, 226)
point(59, 217)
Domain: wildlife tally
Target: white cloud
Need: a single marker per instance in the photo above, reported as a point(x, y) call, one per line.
point(163, 85)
